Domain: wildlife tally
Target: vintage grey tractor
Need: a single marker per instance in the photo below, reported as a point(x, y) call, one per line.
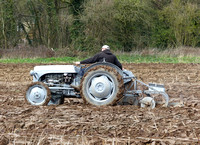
point(102, 84)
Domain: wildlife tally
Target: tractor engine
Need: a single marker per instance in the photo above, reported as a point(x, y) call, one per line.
point(59, 83)
point(58, 79)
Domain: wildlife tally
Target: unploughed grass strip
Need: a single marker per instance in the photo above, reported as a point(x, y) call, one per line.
point(122, 59)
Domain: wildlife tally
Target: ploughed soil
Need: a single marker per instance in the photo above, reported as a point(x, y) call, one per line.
point(76, 123)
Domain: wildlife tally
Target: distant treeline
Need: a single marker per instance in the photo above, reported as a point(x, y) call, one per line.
point(85, 25)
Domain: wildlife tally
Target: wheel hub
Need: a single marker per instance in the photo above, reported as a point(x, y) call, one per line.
point(37, 95)
point(100, 87)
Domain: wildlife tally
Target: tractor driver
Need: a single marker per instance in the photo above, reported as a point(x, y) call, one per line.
point(99, 57)
point(105, 54)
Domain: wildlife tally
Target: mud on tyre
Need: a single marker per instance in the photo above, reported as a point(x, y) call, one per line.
point(101, 86)
point(37, 93)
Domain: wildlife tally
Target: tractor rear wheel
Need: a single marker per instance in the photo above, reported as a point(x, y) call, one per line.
point(101, 86)
point(38, 93)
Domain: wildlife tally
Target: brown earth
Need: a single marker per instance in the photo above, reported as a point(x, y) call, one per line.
point(76, 123)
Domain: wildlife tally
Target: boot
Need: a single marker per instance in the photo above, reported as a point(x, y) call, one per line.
point(77, 88)
point(76, 83)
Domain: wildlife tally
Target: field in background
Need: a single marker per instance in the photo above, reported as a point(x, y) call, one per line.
point(46, 55)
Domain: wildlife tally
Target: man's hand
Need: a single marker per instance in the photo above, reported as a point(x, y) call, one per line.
point(77, 62)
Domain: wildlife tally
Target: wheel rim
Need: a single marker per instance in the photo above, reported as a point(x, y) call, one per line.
point(100, 87)
point(36, 94)
point(148, 102)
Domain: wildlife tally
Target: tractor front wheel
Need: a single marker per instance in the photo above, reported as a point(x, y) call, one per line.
point(38, 93)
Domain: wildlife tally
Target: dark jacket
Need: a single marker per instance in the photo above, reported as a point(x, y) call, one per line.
point(99, 57)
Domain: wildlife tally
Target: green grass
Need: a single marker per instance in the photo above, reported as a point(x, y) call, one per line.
point(122, 58)
point(158, 59)
point(40, 60)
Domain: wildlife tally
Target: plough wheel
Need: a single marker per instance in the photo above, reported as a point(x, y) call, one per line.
point(38, 93)
point(102, 85)
point(147, 102)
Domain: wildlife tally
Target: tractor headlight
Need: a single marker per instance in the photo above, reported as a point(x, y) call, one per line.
point(32, 72)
